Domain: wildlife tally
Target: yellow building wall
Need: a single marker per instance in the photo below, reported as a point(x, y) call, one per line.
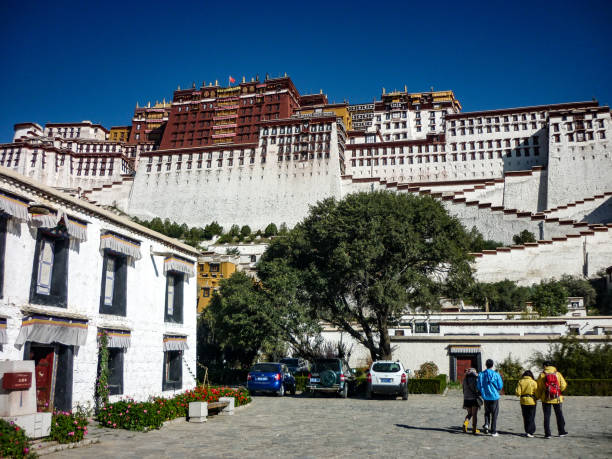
point(341, 112)
point(119, 134)
point(209, 275)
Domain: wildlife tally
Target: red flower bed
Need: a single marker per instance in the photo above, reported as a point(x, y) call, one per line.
point(131, 415)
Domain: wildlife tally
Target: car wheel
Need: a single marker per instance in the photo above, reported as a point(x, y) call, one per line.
point(405, 394)
point(281, 391)
point(344, 393)
point(313, 393)
point(369, 393)
point(253, 393)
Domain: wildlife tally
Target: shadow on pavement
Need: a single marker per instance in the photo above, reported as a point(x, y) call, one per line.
point(453, 430)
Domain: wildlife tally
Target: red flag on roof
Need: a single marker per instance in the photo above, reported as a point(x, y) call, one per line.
point(232, 80)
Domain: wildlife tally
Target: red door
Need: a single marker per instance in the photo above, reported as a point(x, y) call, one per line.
point(463, 363)
point(43, 368)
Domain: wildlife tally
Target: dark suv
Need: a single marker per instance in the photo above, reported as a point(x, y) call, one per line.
point(331, 375)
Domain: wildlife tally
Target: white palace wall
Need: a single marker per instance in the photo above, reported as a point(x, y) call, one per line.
point(256, 194)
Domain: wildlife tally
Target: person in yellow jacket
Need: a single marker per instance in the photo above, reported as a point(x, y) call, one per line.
point(551, 384)
point(526, 390)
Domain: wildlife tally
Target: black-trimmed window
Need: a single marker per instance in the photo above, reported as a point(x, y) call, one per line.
point(115, 370)
point(2, 250)
point(113, 293)
point(434, 327)
point(49, 284)
point(174, 297)
point(420, 327)
point(206, 292)
point(173, 370)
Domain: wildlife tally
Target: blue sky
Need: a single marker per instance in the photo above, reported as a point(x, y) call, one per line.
point(71, 61)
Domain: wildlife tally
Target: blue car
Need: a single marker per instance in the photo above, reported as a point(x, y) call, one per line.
point(270, 377)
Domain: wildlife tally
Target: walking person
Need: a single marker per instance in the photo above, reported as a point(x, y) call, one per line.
point(526, 391)
point(489, 385)
point(470, 400)
point(551, 384)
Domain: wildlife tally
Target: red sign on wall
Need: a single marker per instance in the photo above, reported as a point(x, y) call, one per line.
point(17, 381)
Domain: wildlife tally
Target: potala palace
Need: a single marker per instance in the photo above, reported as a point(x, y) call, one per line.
point(259, 152)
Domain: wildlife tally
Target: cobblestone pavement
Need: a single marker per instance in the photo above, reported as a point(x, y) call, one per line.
point(425, 425)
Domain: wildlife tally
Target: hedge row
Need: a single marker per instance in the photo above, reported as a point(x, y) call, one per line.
point(435, 385)
point(601, 387)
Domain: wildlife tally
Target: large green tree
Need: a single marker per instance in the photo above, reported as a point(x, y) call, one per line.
point(364, 259)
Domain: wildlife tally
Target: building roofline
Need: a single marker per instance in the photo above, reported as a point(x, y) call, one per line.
point(549, 107)
point(81, 123)
point(25, 182)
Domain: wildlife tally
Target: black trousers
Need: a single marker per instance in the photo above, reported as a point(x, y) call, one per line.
point(546, 408)
point(529, 412)
point(490, 415)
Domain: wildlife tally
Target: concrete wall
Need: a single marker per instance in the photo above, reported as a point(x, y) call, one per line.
point(583, 255)
point(146, 285)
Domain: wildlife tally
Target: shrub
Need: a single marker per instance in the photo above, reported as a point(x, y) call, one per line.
point(13, 441)
point(427, 385)
point(427, 370)
point(510, 368)
point(68, 427)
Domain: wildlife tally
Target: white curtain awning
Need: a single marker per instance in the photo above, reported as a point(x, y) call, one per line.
point(174, 263)
point(76, 229)
point(49, 220)
point(13, 206)
point(50, 329)
point(3, 335)
point(175, 343)
point(120, 244)
point(475, 349)
point(116, 338)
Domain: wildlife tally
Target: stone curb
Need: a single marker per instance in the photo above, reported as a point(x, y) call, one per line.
point(53, 449)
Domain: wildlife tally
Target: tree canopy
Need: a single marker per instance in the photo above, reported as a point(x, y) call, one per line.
point(362, 260)
point(549, 298)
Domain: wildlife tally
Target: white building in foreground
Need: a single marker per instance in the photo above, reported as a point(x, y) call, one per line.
point(70, 271)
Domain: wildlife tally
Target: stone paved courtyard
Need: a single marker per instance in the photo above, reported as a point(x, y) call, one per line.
point(425, 425)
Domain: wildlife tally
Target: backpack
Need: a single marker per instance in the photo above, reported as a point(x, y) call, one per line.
point(552, 390)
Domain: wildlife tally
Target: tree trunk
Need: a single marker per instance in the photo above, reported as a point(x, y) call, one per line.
point(385, 343)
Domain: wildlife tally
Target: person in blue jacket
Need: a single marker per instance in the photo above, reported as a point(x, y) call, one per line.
point(489, 385)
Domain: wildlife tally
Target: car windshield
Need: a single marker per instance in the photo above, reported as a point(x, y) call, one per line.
point(291, 362)
point(322, 365)
point(386, 367)
point(266, 367)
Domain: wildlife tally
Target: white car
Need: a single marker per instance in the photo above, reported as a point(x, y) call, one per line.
point(387, 377)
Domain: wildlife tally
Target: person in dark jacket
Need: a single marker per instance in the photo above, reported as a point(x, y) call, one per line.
point(470, 399)
point(489, 385)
